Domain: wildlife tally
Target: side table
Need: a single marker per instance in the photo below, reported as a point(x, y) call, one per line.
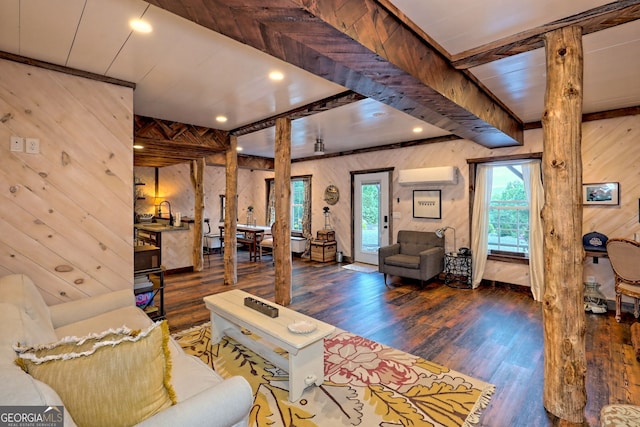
point(457, 268)
point(323, 250)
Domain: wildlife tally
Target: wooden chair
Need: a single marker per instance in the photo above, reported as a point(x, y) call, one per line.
point(267, 242)
point(624, 255)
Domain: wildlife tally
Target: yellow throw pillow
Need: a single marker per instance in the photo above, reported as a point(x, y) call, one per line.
point(116, 378)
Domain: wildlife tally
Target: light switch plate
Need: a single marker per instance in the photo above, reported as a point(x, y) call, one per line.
point(17, 143)
point(33, 146)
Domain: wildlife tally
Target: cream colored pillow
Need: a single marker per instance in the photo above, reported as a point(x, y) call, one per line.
point(115, 378)
point(19, 290)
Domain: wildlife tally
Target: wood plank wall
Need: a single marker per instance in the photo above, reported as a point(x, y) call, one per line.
point(66, 213)
point(174, 185)
point(610, 153)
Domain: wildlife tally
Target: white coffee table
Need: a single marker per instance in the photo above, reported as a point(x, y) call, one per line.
point(305, 363)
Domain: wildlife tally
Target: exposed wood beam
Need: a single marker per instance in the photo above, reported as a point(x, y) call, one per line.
point(164, 149)
point(392, 146)
point(596, 19)
point(244, 161)
point(231, 213)
point(167, 143)
point(282, 229)
point(563, 317)
point(157, 161)
point(361, 45)
point(180, 133)
point(66, 70)
point(197, 183)
point(326, 104)
point(600, 115)
point(415, 28)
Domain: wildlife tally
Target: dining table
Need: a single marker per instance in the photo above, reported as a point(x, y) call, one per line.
point(251, 236)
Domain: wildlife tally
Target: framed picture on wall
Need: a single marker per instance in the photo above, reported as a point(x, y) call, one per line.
point(601, 193)
point(427, 204)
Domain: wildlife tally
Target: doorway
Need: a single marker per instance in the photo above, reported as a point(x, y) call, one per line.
point(371, 226)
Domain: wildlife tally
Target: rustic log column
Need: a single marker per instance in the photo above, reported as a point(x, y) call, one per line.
point(282, 231)
point(563, 306)
point(230, 214)
point(197, 181)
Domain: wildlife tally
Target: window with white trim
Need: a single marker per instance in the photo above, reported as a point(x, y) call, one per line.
point(300, 205)
point(508, 231)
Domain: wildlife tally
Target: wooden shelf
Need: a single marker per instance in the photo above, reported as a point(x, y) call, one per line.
point(156, 277)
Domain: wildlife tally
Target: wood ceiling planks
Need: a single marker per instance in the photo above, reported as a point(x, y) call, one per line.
point(359, 44)
point(593, 20)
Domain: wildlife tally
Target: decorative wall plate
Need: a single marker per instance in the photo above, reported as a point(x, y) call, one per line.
point(331, 194)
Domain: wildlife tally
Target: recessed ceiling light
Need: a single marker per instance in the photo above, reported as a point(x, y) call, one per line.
point(140, 26)
point(417, 129)
point(276, 75)
point(221, 119)
point(138, 146)
point(379, 114)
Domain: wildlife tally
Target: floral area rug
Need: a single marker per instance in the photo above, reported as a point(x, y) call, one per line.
point(366, 384)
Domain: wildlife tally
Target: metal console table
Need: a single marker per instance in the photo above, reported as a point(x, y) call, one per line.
point(457, 268)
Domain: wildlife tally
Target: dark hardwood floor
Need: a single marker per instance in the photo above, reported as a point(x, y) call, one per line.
point(493, 333)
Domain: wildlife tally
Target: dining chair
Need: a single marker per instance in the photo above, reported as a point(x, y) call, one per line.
point(624, 255)
point(267, 242)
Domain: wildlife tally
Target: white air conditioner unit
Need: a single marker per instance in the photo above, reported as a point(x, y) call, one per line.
point(439, 175)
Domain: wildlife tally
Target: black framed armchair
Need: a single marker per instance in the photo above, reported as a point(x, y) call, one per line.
point(415, 255)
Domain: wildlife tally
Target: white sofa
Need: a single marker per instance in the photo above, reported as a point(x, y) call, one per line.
point(203, 397)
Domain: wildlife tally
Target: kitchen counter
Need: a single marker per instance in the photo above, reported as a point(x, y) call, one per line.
point(158, 226)
point(175, 243)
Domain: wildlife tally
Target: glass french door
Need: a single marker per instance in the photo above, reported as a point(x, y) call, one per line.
point(371, 215)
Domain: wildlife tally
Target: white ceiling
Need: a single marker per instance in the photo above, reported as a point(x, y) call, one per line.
point(189, 74)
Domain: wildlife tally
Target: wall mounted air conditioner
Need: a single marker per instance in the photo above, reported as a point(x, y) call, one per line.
point(439, 175)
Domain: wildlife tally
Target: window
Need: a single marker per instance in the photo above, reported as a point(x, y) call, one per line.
point(300, 204)
point(297, 205)
point(505, 190)
point(508, 212)
point(507, 196)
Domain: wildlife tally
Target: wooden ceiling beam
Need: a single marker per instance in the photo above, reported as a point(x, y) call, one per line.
point(325, 104)
point(179, 133)
point(244, 161)
point(596, 19)
point(167, 143)
point(361, 45)
point(67, 70)
point(156, 161)
point(187, 150)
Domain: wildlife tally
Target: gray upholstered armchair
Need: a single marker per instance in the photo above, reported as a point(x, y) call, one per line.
point(416, 255)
